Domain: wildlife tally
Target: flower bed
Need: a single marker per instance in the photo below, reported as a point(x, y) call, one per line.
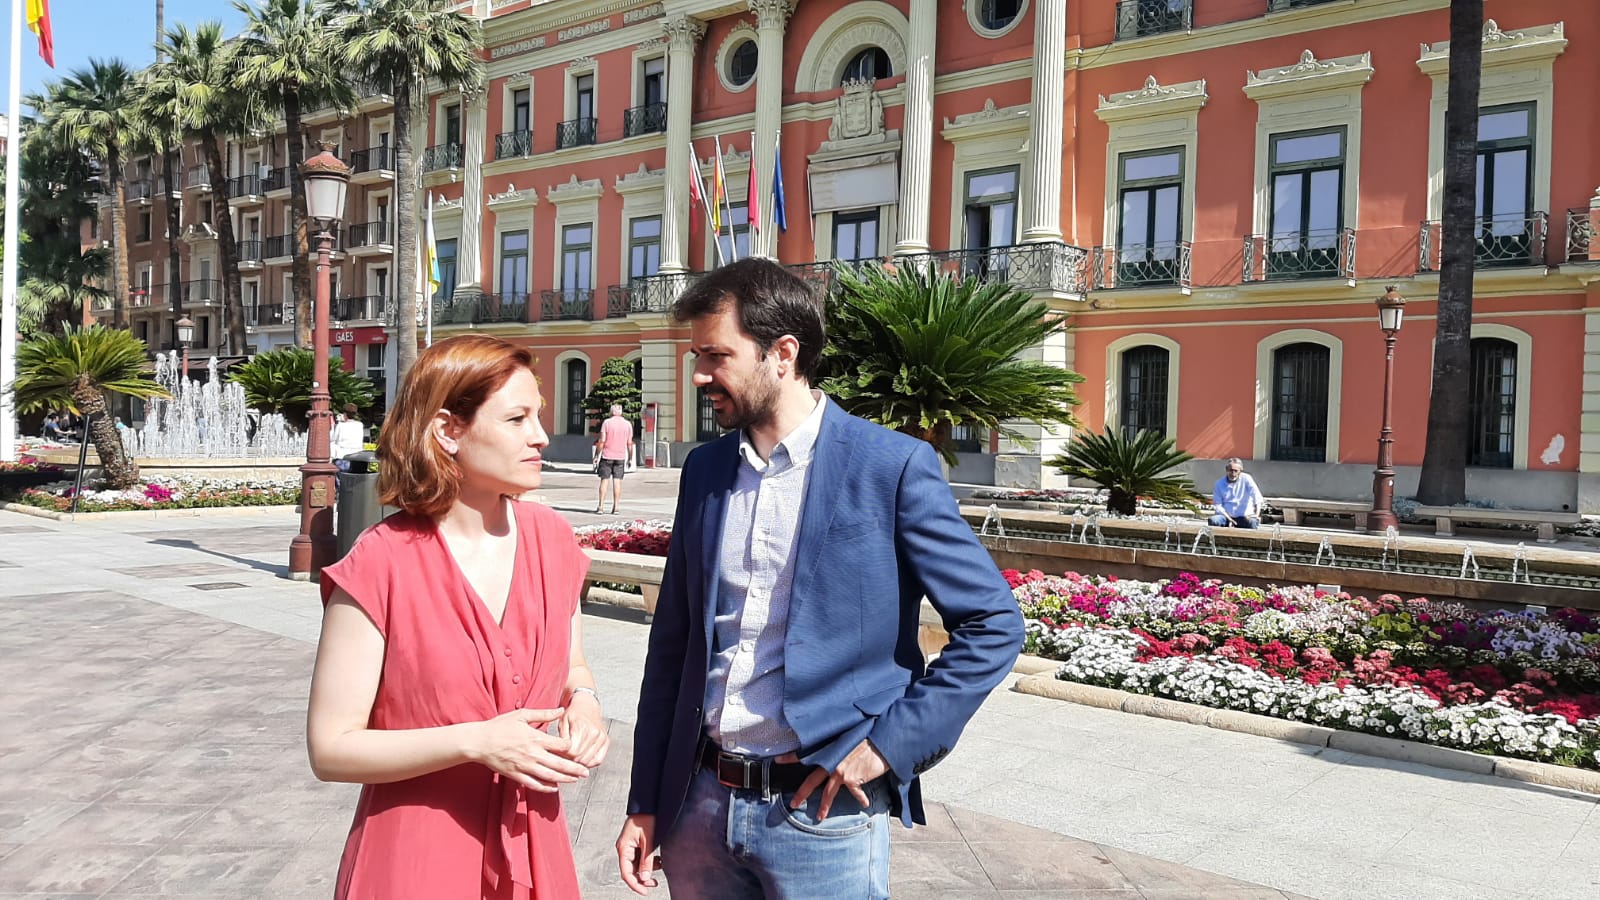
point(648, 538)
point(1088, 500)
point(165, 492)
point(1513, 684)
point(27, 472)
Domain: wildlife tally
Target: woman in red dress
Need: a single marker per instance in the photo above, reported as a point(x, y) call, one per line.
point(450, 677)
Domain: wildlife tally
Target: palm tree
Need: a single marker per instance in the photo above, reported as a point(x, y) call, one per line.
point(58, 281)
point(279, 381)
point(1130, 468)
point(289, 58)
point(199, 73)
point(93, 111)
point(76, 370)
point(1443, 481)
point(923, 354)
point(60, 284)
point(158, 132)
point(399, 46)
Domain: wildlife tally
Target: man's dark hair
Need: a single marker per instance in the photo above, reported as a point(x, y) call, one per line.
point(771, 302)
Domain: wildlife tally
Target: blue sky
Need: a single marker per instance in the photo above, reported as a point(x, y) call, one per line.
point(101, 29)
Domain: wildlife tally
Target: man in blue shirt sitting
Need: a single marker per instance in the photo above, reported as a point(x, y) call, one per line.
point(1236, 500)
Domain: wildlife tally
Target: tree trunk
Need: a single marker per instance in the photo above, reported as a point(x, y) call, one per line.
point(227, 243)
point(405, 218)
point(1443, 481)
point(119, 240)
point(120, 470)
point(1121, 501)
point(301, 268)
point(174, 208)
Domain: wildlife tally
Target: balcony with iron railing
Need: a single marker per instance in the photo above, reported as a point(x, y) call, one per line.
point(278, 247)
point(278, 180)
point(368, 235)
point(650, 118)
point(202, 292)
point(575, 132)
point(249, 252)
point(1502, 241)
point(1043, 267)
point(199, 178)
point(1314, 253)
point(657, 293)
point(357, 309)
point(440, 157)
point(1166, 264)
point(513, 144)
point(371, 162)
point(1142, 18)
point(141, 190)
point(265, 315)
point(1582, 223)
point(619, 301)
point(501, 308)
point(567, 304)
point(244, 188)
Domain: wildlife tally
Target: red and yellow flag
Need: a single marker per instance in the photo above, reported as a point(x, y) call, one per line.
point(719, 191)
point(39, 24)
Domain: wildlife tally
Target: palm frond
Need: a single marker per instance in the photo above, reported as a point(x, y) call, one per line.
point(1130, 468)
point(109, 360)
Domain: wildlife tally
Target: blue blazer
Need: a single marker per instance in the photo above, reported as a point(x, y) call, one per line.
point(879, 531)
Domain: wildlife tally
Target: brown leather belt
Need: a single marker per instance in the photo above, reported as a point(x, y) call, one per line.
point(750, 773)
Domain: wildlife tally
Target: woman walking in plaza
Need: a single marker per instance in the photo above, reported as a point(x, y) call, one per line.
point(450, 678)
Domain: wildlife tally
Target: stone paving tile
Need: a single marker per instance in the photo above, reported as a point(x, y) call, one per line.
point(181, 570)
point(25, 529)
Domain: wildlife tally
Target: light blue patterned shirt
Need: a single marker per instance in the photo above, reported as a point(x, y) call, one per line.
point(744, 689)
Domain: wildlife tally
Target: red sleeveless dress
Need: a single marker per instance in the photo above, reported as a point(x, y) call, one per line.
point(463, 832)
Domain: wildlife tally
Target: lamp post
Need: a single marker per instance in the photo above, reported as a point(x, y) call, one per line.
point(314, 547)
point(1391, 312)
point(185, 338)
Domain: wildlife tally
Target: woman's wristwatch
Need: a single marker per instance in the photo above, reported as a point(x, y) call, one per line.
point(583, 690)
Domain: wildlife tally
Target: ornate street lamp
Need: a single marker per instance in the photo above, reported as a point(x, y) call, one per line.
point(185, 338)
point(1391, 312)
point(314, 547)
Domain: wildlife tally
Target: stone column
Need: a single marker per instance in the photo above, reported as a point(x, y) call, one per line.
point(1041, 210)
point(916, 149)
point(771, 18)
point(682, 34)
point(469, 254)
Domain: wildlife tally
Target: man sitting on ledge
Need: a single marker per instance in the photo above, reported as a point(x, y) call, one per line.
point(1236, 500)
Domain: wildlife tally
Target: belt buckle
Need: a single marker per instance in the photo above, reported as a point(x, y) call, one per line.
point(743, 767)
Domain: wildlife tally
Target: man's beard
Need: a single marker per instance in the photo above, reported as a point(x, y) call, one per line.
point(757, 407)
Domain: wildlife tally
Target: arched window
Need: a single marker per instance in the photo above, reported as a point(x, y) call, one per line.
point(1300, 402)
point(577, 390)
point(871, 63)
point(706, 428)
point(1493, 412)
point(997, 14)
point(1144, 390)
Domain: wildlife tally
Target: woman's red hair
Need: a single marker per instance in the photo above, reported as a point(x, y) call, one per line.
point(458, 374)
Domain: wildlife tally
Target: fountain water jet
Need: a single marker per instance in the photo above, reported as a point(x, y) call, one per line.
point(207, 420)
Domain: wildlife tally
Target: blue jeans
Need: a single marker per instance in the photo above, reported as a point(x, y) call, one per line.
point(733, 844)
point(1221, 521)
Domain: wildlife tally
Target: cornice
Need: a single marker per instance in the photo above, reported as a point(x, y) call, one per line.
point(574, 189)
point(1308, 75)
point(1153, 100)
point(513, 198)
point(990, 120)
point(546, 17)
point(645, 179)
point(1539, 43)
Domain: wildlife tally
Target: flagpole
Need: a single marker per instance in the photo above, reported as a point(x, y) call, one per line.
point(694, 172)
point(8, 306)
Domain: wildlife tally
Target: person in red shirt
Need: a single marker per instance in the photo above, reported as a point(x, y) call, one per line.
point(612, 451)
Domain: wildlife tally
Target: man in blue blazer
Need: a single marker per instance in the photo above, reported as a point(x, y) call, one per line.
point(786, 712)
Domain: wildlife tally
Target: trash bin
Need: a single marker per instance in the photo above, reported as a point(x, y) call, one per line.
point(357, 507)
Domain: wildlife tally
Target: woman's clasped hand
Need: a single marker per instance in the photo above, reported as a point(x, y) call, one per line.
point(518, 746)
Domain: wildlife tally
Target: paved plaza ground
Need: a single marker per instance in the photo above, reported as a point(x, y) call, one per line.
point(152, 685)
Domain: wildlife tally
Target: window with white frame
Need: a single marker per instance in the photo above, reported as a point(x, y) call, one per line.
point(1149, 220)
point(644, 246)
point(1307, 203)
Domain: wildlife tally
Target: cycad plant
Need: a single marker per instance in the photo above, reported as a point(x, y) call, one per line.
point(923, 353)
point(279, 381)
point(76, 370)
point(399, 46)
point(1130, 468)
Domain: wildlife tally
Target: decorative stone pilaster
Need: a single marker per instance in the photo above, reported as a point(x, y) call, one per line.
point(1589, 414)
point(916, 151)
point(1041, 212)
point(772, 16)
point(469, 258)
point(682, 34)
point(659, 370)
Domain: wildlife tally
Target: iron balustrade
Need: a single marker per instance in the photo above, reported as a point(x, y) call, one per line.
point(266, 314)
point(575, 132)
point(457, 309)
point(278, 246)
point(650, 118)
point(352, 309)
point(512, 144)
point(1046, 266)
point(1139, 18)
point(1582, 222)
point(576, 303)
point(657, 293)
point(373, 159)
point(441, 156)
point(278, 179)
point(141, 190)
point(199, 177)
point(617, 301)
point(244, 186)
point(249, 251)
point(368, 234)
point(510, 307)
point(204, 290)
point(1142, 265)
point(1316, 253)
point(1504, 240)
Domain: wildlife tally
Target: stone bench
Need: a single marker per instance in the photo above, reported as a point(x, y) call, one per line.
point(628, 568)
point(1446, 517)
point(1295, 508)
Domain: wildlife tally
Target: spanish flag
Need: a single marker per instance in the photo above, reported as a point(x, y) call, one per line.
point(719, 192)
point(39, 24)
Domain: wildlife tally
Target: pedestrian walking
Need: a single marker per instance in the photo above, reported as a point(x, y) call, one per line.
point(612, 450)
